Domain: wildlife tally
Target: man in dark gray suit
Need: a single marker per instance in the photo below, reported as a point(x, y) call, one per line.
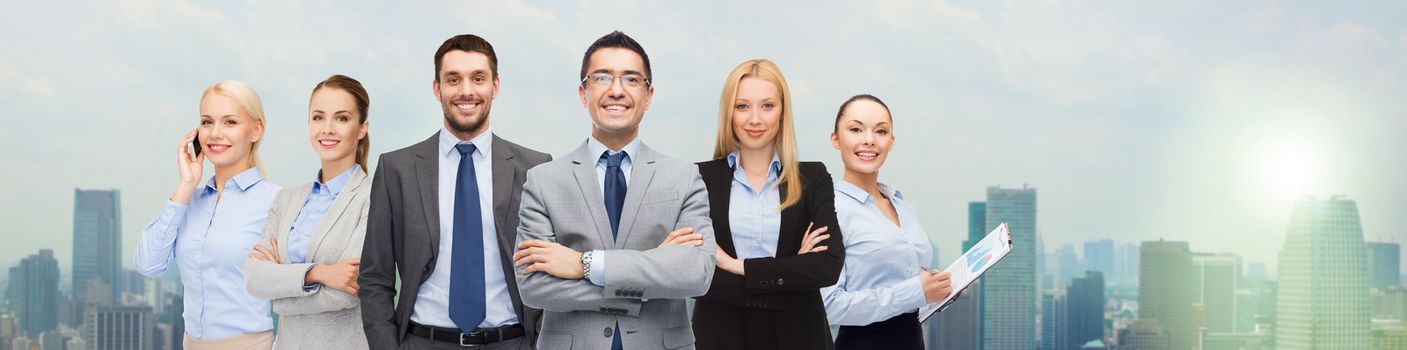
point(590, 251)
point(443, 217)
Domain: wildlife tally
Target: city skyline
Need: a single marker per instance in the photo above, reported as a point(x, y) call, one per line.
point(1135, 128)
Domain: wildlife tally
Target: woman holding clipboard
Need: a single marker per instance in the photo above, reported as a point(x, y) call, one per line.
point(885, 280)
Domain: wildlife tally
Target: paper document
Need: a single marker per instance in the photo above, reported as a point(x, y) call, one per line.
point(972, 264)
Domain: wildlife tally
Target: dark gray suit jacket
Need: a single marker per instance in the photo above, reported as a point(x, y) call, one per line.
point(402, 236)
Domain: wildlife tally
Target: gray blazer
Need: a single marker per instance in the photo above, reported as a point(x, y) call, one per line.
point(403, 235)
point(319, 318)
point(645, 286)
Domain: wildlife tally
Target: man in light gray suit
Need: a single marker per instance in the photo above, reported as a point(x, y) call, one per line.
point(589, 239)
point(442, 218)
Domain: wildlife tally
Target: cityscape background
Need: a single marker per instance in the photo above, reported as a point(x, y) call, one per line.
point(1211, 175)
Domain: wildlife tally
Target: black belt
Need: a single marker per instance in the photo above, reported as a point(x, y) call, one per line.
point(480, 336)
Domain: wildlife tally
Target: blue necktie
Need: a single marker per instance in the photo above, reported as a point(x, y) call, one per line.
point(615, 199)
point(466, 285)
point(615, 188)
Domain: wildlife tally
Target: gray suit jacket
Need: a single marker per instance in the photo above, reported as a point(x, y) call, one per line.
point(403, 233)
point(645, 286)
point(319, 318)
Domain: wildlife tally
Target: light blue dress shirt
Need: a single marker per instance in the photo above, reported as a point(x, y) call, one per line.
point(882, 260)
point(209, 240)
point(312, 212)
point(753, 215)
point(597, 274)
point(432, 302)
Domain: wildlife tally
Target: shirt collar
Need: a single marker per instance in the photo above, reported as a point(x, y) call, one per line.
point(483, 143)
point(243, 181)
point(861, 196)
point(334, 186)
point(596, 148)
point(776, 163)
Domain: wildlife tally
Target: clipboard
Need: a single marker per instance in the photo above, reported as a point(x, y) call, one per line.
point(971, 265)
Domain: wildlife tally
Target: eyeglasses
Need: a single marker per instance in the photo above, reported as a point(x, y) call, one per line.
point(603, 80)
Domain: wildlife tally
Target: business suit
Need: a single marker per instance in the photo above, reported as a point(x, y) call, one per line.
point(320, 317)
point(645, 286)
point(403, 234)
point(777, 302)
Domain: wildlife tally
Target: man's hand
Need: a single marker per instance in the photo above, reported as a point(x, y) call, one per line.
point(551, 258)
point(683, 236)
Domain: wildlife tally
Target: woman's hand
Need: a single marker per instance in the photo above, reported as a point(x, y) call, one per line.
point(811, 242)
point(190, 169)
point(936, 285)
point(727, 262)
point(265, 254)
point(340, 276)
point(683, 236)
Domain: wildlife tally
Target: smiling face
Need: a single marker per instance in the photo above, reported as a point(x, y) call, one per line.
point(863, 136)
point(616, 109)
point(466, 88)
point(757, 114)
point(227, 132)
point(334, 126)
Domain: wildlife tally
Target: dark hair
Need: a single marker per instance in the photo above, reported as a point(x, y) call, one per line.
point(363, 101)
point(864, 97)
point(470, 43)
point(616, 39)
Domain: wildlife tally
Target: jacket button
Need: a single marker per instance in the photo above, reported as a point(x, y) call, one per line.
point(779, 281)
point(607, 332)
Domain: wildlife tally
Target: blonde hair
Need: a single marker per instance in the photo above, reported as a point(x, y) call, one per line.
point(244, 95)
point(785, 143)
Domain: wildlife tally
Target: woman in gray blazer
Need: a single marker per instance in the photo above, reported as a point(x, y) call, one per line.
point(307, 262)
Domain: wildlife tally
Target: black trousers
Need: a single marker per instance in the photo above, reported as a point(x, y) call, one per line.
point(899, 332)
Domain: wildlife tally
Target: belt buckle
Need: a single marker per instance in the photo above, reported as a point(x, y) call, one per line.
point(462, 344)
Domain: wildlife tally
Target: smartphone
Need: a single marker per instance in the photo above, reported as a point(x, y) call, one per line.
point(195, 146)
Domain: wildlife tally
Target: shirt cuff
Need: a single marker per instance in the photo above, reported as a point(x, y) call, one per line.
point(597, 272)
point(315, 285)
point(909, 294)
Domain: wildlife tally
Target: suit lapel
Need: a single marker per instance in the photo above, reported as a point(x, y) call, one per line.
point(719, 183)
point(286, 225)
point(641, 173)
point(428, 176)
point(504, 177)
point(584, 169)
point(334, 212)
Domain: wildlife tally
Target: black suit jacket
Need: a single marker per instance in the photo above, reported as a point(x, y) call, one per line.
point(403, 233)
point(780, 294)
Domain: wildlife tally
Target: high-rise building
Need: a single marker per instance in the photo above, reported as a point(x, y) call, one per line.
point(1055, 333)
point(1084, 304)
point(35, 293)
point(121, 328)
point(1068, 265)
point(1384, 265)
point(1163, 292)
point(1323, 289)
point(1255, 270)
point(959, 327)
point(1127, 254)
point(1099, 256)
point(1009, 288)
point(1215, 278)
point(97, 243)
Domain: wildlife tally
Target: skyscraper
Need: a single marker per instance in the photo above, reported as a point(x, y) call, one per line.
point(35, 293)
point(97, 243)
point(1009, 287)
point(1384, 269)
point(1084, 302)
point(1323, 292)
point(1099, 256)
point(959, 327)
point(1127, 255)
point(121, 328)
point(1163, 292)
point(1215, 278)
point(1055, 334)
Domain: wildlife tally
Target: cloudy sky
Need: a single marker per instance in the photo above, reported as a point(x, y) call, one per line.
point(1198, 120)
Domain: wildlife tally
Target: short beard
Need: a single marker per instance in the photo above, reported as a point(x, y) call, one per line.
point(471, 127)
